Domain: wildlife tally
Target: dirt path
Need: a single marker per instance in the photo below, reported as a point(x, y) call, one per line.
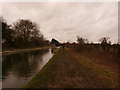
point(68, 69)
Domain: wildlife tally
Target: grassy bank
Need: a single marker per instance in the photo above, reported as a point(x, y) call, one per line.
point(45, 74)
point(12, 51)
point(68, 69)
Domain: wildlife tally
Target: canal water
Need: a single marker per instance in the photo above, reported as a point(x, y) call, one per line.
point(18, 69)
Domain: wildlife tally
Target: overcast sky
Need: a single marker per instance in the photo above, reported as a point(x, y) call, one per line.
point(64, 21)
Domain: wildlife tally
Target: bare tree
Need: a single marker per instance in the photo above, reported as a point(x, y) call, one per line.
point(81, 41)
point(26, 31)
point(104, 42)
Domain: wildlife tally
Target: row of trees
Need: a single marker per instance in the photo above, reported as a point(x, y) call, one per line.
point(22, 34)
point(105, 44)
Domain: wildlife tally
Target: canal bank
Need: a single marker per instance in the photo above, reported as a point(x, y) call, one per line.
point(19, 68)
point(68, 69)
point(22, 50)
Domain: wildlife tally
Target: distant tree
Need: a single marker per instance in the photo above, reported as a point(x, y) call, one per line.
point(87, 41)
point(104, 42)
point(81, 41)
point(26, 32)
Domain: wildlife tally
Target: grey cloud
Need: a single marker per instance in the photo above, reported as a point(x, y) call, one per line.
point(65, 21)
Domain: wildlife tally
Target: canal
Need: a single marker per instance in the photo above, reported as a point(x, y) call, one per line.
point(18, 69)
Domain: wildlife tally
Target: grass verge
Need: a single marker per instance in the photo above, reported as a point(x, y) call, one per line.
point(68, 69)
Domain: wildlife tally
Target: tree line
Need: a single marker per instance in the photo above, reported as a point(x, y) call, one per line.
point(22, 34)
point(104, 45)
point(26, 34)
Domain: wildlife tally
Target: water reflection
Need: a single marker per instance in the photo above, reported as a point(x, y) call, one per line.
point(18, 69)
